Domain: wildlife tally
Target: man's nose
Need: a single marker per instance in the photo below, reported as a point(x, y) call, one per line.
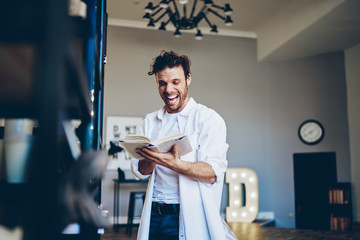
point(169, 88)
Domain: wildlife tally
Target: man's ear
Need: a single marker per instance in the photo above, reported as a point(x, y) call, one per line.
point(188, 79)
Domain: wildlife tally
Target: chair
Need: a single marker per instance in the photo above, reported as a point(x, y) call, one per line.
point(132, 200)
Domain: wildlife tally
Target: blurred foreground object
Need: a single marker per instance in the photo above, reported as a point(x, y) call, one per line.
point(77, 190)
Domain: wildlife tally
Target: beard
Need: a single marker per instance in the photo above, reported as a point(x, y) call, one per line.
point(175, 104)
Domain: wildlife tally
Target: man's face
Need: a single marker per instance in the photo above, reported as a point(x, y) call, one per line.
point(173, 88)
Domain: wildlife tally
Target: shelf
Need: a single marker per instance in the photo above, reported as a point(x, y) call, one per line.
point(20, 96)
point(24, 33)
point(11, 193)
point(49, 67)
point(14, 200)
point(340, 206)
point(29, 20)
point(22, 21)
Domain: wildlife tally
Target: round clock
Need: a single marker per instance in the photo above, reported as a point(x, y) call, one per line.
point(311, 132)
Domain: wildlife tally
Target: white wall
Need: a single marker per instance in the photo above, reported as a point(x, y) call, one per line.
point(263, 104)
point(352, 60)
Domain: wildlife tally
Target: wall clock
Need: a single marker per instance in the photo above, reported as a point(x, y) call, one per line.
point(311, 132)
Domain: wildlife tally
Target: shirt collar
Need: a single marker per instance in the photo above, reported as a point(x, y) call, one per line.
point(185, 112)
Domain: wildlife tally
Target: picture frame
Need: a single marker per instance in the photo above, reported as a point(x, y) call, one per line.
point(117, 127)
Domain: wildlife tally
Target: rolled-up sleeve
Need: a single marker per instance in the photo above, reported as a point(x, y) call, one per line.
point(212, 143)
point(135, 169)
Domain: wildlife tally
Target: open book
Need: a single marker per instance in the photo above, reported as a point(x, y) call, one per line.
point(131, 142)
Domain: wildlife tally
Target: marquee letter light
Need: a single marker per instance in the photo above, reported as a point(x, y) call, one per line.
point(239, 210)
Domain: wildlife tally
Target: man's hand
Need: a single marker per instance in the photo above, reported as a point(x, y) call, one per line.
point(199, 171)
point(169, 159)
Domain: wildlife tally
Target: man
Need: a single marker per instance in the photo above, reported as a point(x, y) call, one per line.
point(184, 192)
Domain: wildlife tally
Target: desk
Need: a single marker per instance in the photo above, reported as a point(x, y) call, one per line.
point(117, 183)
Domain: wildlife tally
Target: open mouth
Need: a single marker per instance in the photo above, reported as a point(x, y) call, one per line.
point(172, 99)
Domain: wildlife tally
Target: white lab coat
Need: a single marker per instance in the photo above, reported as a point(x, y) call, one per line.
point(199, 202)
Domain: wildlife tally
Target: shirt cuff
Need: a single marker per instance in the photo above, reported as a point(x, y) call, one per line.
point(218, 170)
point(135, 169)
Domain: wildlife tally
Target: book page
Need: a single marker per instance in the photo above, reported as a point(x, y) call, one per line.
point(130, 148)
point(182, 143)
point(168, 138)
point(131, 142)
point(136, 138)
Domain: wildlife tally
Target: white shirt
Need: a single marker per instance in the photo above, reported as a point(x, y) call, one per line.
point(166, 184)
point(199, 202)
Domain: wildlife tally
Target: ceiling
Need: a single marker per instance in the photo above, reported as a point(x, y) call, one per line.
point(284, 29)
point(248, 15)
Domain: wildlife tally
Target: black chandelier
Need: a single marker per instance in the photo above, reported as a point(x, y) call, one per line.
point(169, 8)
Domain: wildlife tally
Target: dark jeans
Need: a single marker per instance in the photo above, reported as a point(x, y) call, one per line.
point(164, 226)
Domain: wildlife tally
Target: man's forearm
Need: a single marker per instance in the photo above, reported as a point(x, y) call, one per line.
point(200, 171)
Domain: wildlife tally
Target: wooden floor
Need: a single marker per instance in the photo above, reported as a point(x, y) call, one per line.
point(251, 231)
point(112, 235)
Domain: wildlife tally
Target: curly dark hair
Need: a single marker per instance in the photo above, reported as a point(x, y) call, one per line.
point(170, 59)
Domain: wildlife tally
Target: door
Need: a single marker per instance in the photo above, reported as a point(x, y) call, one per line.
point(313, 173)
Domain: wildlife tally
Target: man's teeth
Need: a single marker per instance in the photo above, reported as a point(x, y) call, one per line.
point(172, 97)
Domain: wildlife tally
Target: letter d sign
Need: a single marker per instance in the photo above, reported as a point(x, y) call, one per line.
point(240, 210)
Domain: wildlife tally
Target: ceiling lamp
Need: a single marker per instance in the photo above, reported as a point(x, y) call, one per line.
point(168, 11)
